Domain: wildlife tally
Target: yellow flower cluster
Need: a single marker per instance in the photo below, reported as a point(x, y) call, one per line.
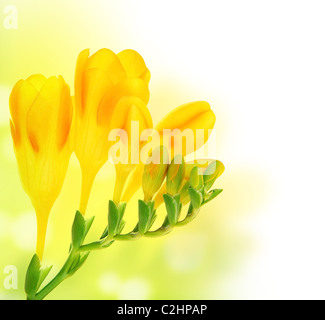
point(111, 92)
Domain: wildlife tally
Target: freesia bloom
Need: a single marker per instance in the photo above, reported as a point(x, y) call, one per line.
point(41, 115)
point(187, 127)
point(101, 81)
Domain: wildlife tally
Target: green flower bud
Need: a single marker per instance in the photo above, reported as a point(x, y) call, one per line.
point(175, 175)
point(212, 172)
point(154, 174)
point(196, 179)
point(184, 196)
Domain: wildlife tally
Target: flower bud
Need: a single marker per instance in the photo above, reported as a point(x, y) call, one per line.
point(181, 127)
point(154, 173)
point(41, 116)
point(196, 179)
point(212, 172)
point(178, 125)
point(175, 175)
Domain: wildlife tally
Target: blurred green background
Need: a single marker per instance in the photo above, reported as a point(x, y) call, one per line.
point(199, 261)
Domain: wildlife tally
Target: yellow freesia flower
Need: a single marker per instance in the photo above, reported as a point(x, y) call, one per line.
point(41, 116)
point(185, 119)
point(101, 81)
point(187, 127)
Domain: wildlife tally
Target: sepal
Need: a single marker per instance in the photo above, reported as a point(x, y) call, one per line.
point(35, 276)
point(115, 215)
point(147, 216)
point(196, 198)
point(173, 208)
point(80, 229)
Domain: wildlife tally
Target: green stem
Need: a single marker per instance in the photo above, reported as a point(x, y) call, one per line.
point(60, 277)
point(106, 242)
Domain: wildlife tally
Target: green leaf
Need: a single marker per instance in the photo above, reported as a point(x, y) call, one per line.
point(115, 215)
point(113, 218)
point(144, 216)
point(44, 274)
point(88, 224)
point(33, 276)
point(136, 228)
point(74, 264)
point(153, 219)
point(105, 233)
point(78, 230)
point(196, 198)
point(121, 227)
point(166, 222)
point(172, 208)
point(78, 262)
point(108, 244)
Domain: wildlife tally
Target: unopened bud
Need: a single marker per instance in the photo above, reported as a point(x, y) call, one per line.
point(196, 179)
point(212, 172)
point(175, 175)
point(154, 174)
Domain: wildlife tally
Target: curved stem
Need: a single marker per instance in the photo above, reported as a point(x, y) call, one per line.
point(104, 243)
point(60, 277)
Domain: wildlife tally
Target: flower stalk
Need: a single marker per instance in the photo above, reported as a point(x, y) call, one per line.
point(111, 95)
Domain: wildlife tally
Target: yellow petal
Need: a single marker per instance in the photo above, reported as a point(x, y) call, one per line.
point(131, 109)
point(107, 61)
point(81, 62)
point(105, 109)
point(21, 98)
point(131, 87)
point(141, 114)
point(95, 86)
point(15, 137)
point(133, 64)
point(37, 80)
point(183, 123)
point(180, 117)
point(43, 116)
point(65, 114)
point(134, 184)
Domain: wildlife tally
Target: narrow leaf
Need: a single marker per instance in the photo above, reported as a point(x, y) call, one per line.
point(196, 198)
point(144, 216)
point(113, 218)
point(78, 230)
point(171, 208)
point(44, 274)
point(33, 276)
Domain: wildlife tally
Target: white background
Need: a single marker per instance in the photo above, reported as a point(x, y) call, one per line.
point(261, 64)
